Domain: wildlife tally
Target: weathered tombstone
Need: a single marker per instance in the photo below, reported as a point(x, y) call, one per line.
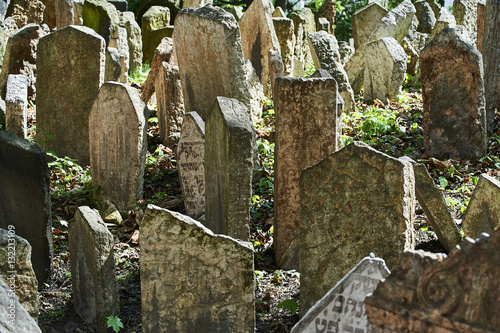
point(304, 24)
point(279, 13)
point(454, 120)
point(154, 19)
point(321, 73)
point(364, 22)
point(236, 11)
point(13, 317)
point(118, 144)
point(276, 67)
point(465, 12)
point(190, 157)
point(258, 38)
point(214, 295)
point(429, 293)
point(481, 12)
point(7, 28)
point(16, 105)
point(445, 20)
point(78, 11)
point(119, 41)
point(229, 137)
point(353, 202)
point(65, 13)
point(25, 198)
point(306, 115)
point(163, 53)
point(25, 12)
point(345, 51)
point(483, 211)
point(17, 270)
point(220, 60)
point(101, 16)
point(95, 292)
point(425, 16)
point(65, 97)
point(385, 68)
point(134, 39)
point(328, 11)
point(113, 67)
point(283, 28)
point(342, 309)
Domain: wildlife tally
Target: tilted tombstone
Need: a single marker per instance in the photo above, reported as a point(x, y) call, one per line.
point(25, 198)
point(163, 53)
point(483, 211)
point(23, 322)
point(428, 292)
point(118, 144)
point(425, 16)
point(70, 67)
point(306, 116)
point(95, 291)
point(283, 28)
point(214, 295)
point(190, 157)
point(465, 12)
point(481, 12)
point(364, 22)
point(385, 68)
point(16, 105)
point(134, 39)
point(352, 202)
point(258, 38)
point(342, 309)
point(229, 138)
point(101, 16)
point(454, 121)
point(156, 18)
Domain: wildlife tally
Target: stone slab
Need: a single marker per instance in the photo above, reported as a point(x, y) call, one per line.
point(16, 105)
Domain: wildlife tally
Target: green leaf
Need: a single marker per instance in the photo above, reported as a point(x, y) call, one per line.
point(114, 322)
point(443, 182)
point(289, 304)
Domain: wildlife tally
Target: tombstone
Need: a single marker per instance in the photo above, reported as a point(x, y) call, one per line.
point(7, 28)
point(328, 11)
point(154, 19)
point(385, 68)
point(279, 13)
point(325, 53)
point(170, 104)
point(364, 22)
point(352, 202)
point(163, 53)
point(190, 157)
point(321, 73)
point(481, 12)
point(214, 295)
point(65, 13)
point(342, 309)
point(10, 306)
point(119, 41)
point(65, 97)
point(413, 57)
point(276, 67)
point(429, 292)
point(323, 25)
point(258, 38)
point(113, 67)
point(483, 211)
point(134, 40)
point(454, 120)
point(25, 198)
point(16, 269)
point(283, 28)
point(306, 115)
point(118, 144)
point(491, 59)
point(220, 60)
point(445, 20)
point(95, 292)
point(465, 12)
point(345, 51)
point(229, 139)
point(436, 7)
point(25, 12)
point(78, 11)
point(100, 16)
point(255, 90)
point(425, 16)
point(304, 24)
point(16, 105)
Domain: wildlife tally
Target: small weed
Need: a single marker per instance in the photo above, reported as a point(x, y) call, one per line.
point(114, 322)
point(289, 304)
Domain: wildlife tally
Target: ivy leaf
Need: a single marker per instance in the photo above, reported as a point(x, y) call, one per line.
point(114, 322)
point(289, 304)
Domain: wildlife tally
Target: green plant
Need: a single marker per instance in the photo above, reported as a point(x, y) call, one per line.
point(310, 69)
point(139, 76)
point(289, 304)
point(114, 322)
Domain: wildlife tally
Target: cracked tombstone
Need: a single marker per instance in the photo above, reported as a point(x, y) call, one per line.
point(16, 105)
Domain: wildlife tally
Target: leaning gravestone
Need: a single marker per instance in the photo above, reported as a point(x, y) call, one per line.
point(118, 144)
point(70, 67)
point(25, 198)
point(95, 292)
point(483, 211)
point(306, 116)
point(229, 138)
point(23, 322)
point(353, 202)
point(193, 280)
point(454, 120)
point(163, 53)
point(190, 157)
point(16, 105)
point(342, 309)
point(429, 293)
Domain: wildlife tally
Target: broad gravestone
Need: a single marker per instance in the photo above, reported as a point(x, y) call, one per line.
point(101, 16)
point(465, 12)
point(229, 139)
point(156, 18)
point(283, 28)
point(118, 144)
point(306, 116)
point(16, 105)
point(193, 280)
point(342, 309)
point(134, 39)
point(191, 163)
point(95, 292)
point(429, 293)
point(70, 67)
point(483, 211)
point(353, 202)
point(364, 22)
point(25, 198)
point(454, 120)
point(13, 317)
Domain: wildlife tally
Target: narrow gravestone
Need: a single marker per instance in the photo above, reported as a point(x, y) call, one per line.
point(118, 144)
point(163, 53)
point(16, 105)
point(328, 10)
point(95, 292)
point(483, 211)
point(342, 309)
point(276, 67)
point(306, 116)
point(304, 24)
point(119, 41)
point(454, 120)
point(425, 16)
point(283, 28)
point(113, 68)
point(70, 67)
point(465, 12)
point(65, 13)
point(481, 12)
point(427, 292)
point(229, 137)
point(134, 40)
point(13, 317)
point(353, 202)
point(193, 280)
point(156, 18)
point(25, 198)
point(191, 163)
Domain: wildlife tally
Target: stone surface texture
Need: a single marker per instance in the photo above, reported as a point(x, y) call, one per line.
point(65, 13)
point(481, 12)
point(276, 67)
point(163, 53)
point(23, 321)
point(283, 28)
point(16, 105)
point(193, 280)
point(465, 12)
point(119, 40)
point(425, 16)
point(100, 16)
point(355, 201)
point(445, 20)
point(134, 40)
point(304, 24)
point(25, 12)
point(156, 18)
point(364, 22)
